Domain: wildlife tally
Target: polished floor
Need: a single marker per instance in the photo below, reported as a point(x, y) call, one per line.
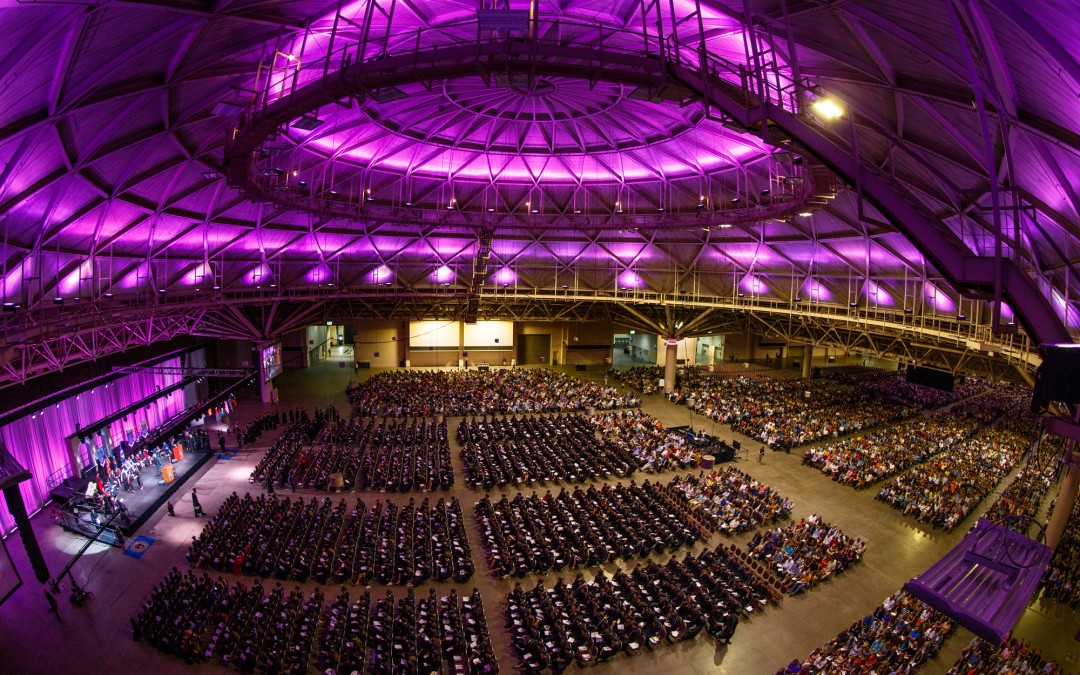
point(97, 638)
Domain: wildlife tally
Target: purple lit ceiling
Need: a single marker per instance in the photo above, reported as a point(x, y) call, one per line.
point(117, 115)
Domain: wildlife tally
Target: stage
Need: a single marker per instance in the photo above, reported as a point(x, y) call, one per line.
point(140, 504)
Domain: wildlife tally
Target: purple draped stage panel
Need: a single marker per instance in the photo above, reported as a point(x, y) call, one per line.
point(985, 582)
point(38, 442)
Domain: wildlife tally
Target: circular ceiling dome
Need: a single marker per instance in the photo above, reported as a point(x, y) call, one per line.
point(566, 129)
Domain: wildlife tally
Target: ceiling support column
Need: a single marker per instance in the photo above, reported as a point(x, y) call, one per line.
point(1066, 499)
point(671, 356)
point(807, 358)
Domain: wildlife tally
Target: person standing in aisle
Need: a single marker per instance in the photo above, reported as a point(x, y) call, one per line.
point(195, 503)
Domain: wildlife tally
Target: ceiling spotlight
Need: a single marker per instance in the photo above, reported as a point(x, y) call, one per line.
point(302, 183)
point(10, 307)
point(725, 226)
point(961, 317)
point(329, 283)
point(734, 200)
point(408, 203)
point(161, 290)
point(797, 299)
point(273, 285)
point(742, 295)
point(805, 214)
point(827, 108)
point(388, 284)
point(536, 210)
point(491, 210)
point(907, 311)
point(565, 286)
point(854, 304)
point(577, 211)
point(108, 296)
point(216, 287)
point(765, 192)
point(333, 192)
point(701, 205)
point(58, 300)
point(659, 209)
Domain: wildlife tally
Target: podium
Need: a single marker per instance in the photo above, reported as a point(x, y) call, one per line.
point(168, 474)
point(178, 452)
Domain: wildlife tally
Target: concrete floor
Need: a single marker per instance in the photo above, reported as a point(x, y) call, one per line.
point(97, 637)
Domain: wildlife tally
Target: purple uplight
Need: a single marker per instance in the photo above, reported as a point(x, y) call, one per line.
point(630, 279)
point(751, 283)
point(505, 275)
point(937, 299)
point(815, 290)
point(877, 295)
point(261, 273)
point(444, 274)
point(380, 275)
point(70, 283)
point(319, 274)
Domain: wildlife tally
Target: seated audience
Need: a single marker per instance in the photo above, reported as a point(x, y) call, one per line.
point(730, 500)
point(469, 392)
point(516, 450)
point(899, 636)
point(201, 619)
point(1014, 657)
point(586, 623)
point(300, 540)
point(806, 553)
point(584, 528)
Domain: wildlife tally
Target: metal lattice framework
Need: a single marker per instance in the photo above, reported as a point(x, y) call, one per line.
point(242, 170)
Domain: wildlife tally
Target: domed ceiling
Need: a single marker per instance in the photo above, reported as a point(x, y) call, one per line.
point(554, 191)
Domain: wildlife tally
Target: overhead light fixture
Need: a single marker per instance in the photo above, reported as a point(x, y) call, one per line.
point(58, 300)
point(577, 211)
point(659, 209)
point(805, 214)
point(725, 226)
point(408, 203)
point(490, 210)
point(961, 317)
point(211, 175)
point(765, 192)
point(10, 307)
point(108, 296)
point(161, 290)
point(734, 200)
point(827, 108)
point(216, 287)
point(273, 285)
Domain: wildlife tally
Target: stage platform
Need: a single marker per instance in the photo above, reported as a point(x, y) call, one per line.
point(141, 504)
